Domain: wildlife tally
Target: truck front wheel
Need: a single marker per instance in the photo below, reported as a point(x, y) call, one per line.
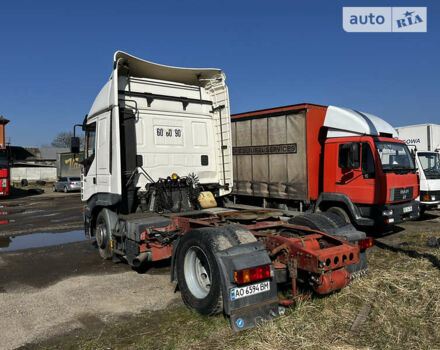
point(103, 236)
point(198, 274)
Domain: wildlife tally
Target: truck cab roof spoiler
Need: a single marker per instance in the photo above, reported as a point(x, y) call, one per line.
point(348, 122)
point(108, 96)
point(145, 69)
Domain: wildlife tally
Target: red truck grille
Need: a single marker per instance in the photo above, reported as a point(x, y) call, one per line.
point(401, 193)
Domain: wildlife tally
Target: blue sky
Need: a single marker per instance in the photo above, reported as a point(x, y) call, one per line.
point(55, 57)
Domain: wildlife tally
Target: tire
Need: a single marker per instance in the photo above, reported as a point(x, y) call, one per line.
point(65, 189)
point(314, 221)
point(336, 219)
point(103, 236)
point(341, 212)
point(198, 273)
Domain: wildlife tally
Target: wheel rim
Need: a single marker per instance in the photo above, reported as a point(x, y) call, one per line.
point(197, 272)
point(101, 234)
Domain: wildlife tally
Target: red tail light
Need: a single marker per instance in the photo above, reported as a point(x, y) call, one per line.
point(366, 243)
point(252, 274)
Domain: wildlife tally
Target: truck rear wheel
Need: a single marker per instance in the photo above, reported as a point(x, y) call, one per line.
point(314, 221)
point(198, 274)
point(103, 236)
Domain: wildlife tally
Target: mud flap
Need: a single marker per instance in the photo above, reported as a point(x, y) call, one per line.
point(248, 311)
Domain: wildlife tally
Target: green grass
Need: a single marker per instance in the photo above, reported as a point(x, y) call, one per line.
point(405, 314)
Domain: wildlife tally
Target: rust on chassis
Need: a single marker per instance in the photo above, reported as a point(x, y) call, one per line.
point(309, 256)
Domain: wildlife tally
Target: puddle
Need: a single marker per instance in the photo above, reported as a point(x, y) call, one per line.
point(38, 240)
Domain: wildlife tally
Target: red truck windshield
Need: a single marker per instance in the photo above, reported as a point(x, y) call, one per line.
point(394, 156)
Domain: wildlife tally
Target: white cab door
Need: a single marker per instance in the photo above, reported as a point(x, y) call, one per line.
point(103, 154)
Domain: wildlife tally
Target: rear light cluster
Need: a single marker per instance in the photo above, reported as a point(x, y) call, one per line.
point(252, 274)
point(366, 243)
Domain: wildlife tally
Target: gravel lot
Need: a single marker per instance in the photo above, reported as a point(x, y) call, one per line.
point(53, 290)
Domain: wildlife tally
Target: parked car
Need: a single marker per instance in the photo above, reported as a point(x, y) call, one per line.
point(67, 184)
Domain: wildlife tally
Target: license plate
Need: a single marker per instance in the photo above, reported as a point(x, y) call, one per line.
point(407, 209)
point(257, 288)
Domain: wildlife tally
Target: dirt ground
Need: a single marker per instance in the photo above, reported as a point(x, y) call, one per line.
point(47, 212)
point(51, 290)
point(66, 296)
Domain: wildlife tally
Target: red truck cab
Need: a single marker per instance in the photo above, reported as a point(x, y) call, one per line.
point(4, 173)
point(376, 174)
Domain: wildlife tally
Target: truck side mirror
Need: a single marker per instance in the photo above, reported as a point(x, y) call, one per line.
point(74, 145)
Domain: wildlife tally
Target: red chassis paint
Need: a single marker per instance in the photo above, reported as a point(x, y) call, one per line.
point(316, 256)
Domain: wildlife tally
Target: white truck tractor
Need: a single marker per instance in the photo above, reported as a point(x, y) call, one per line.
point(424, 141)
point(158, 160)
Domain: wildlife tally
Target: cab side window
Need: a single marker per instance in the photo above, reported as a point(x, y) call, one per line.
point(90, 146)
point(367, 162)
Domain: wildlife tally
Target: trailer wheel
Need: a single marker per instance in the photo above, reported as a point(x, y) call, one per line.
point(103, 236)
point(198, 274)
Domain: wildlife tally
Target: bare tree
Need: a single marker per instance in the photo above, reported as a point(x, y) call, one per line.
point(62, 140)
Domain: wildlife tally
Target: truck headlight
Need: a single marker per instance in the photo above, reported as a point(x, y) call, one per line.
point(388, 212)
point(433, 198)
